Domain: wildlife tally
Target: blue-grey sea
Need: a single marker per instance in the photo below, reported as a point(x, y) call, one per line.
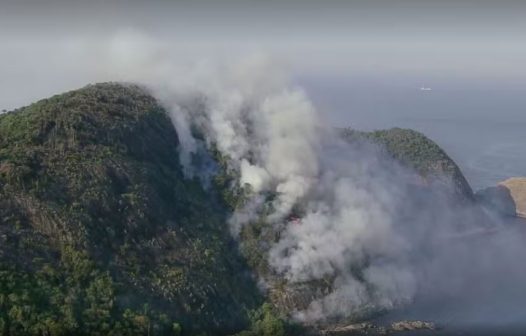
point(481, 123)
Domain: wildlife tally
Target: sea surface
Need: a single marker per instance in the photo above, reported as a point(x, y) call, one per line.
point(480, 123)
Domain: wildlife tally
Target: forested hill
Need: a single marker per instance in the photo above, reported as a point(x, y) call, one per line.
point(418, 152)
point(101, 234)
point(99, 231)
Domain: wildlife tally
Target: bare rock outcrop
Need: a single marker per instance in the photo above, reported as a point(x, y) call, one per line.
point(507, 198)
point(517, 189)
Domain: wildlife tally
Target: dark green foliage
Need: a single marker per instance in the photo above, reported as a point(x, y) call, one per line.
point(72, 297)
point(100, 233)
point(415, 150)
point(266, 322)
point(226, 182)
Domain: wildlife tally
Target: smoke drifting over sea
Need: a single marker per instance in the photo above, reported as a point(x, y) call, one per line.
point(361, 223)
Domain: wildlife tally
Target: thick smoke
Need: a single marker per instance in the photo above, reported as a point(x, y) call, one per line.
point(349, 196)
point(278, 143)
point(346, 213)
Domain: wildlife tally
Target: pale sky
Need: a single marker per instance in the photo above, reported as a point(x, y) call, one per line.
point(362, 63)
point(50, 46)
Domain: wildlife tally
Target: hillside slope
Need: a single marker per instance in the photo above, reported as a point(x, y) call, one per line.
point(418, 152)
point(100, 232)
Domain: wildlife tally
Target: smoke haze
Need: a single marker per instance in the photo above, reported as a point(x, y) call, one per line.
point(362, 62)
point(427, 40)
point(359, 208)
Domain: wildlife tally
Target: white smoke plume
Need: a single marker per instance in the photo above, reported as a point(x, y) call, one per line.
point(276, 140)
point(358, 209)
point(279, 143)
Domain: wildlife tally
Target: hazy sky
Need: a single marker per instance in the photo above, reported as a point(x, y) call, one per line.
point(361, 62)
point(50, 46)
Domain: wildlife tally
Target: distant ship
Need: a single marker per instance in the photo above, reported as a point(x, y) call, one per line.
point(425, 89)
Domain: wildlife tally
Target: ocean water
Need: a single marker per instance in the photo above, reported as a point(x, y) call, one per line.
point(480, 123)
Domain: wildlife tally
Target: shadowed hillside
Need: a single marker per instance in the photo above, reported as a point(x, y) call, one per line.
point(99, 231)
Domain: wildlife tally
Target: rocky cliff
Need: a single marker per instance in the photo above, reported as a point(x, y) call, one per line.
point(508, 197)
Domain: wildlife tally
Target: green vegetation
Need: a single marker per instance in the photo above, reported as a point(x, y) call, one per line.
point(100, 233)
point(74, 297)
point(266, 322)
point(416, 151)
